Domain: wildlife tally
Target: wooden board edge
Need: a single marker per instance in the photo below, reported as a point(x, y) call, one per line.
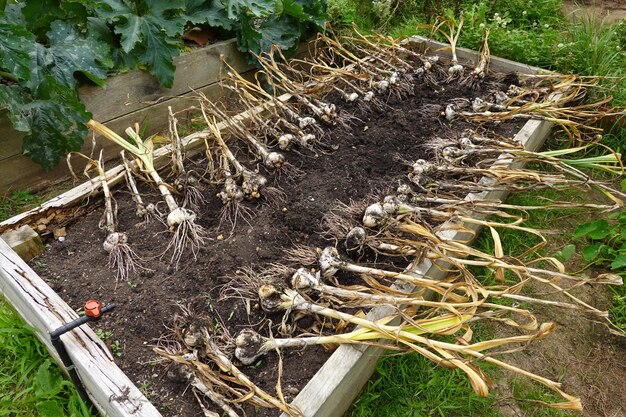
point(468, 55)
point(43, 309)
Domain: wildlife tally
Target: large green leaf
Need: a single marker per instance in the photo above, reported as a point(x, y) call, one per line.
point(295, 9)
point(98, 31)
point(598, 229)
point(591, 252)
point(54, 121)
point(150, 29)
point(56, 129)
point(40, 60)
point(69, 53)
point(316, 9)
point(248, 38)
point(73, 53)
point(282, 31)
point(48, 381)
point(618, 262)
point(256, 8)
point(15, 41)
point(14, 98)
point(39, 15)
point(50, 408)
point(211, 12)
point(158, 53)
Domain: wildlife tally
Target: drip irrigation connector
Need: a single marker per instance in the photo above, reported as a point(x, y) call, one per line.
point(93, 312)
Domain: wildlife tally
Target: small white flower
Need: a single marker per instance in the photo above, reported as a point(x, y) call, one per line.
point(534, 24)
point(504, 24)
point(482, 26)
point(560, 45)
point(547, 26)
point(524, 13)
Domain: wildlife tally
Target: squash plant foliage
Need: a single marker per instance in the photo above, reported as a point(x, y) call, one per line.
point(47, 47)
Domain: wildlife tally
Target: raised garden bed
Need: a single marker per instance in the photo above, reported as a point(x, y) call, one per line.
point(363, 158)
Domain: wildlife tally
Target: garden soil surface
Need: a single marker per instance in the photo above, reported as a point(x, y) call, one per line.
point(367, 158)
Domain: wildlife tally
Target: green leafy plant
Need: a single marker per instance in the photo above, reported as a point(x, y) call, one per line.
point(47, 49)
point(605, 242)
point(16, 202)
point(30, 383)
point(104, 334)
point(116, 348)
point(605, 245)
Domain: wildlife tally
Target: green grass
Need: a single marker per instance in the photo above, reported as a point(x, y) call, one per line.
point(30, 383)
point(617, 311)
point(412, 386)
point(531, 394)
point(16, 202)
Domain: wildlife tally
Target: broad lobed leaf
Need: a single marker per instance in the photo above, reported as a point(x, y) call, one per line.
point(14, 43)
point(256, 8)
point(55, 122)
point(149, 29)
point(73, 53)
point(210, 12)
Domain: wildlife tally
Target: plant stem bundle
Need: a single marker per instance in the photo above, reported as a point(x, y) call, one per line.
point(180, 221)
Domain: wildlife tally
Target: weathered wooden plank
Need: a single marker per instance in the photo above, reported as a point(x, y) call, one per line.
point(467, 55)
point(334, 387)
point(10, 139)
point(110, 389)
point(136, 90)
point(18, 171)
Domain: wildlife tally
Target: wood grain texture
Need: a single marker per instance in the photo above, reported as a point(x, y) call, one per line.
point(110, 389)
point(334, 387)
point(136, 90)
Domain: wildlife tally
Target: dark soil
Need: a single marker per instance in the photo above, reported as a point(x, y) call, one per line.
point(367, 160)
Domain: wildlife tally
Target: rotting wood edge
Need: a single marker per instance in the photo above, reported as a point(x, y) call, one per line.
point(331, 390)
